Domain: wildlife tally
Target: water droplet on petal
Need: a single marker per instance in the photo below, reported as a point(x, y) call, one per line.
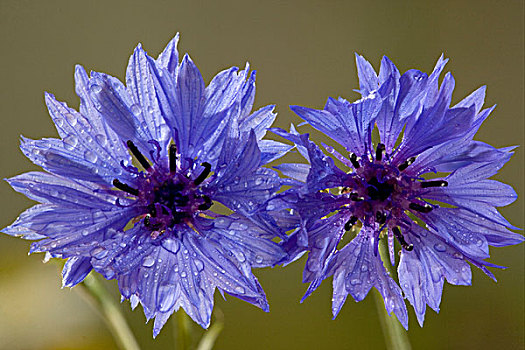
point(101, 139)
point(239, 255)
point(239, 290)
point(355, 281)
point(199, 265)
point(183, 274)
point(440, 247)
point(136, 110)
point(70, 142)
point(148, 261)
point(96, 88)
point(90, 156)
point(171, 245)
point(71, 119)
point(99, 253)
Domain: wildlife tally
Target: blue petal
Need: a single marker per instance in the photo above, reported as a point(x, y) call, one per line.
point(435, 125)
point(169, 57)
point(236, 162)
point(140, 85)
point(476, 99)
point(323, 238)
point(368, 80)
point(245, 194)
point(432, 85)
point(451, 226)
point(188, 103)
point(466, 190)
point(83, 148)
point(72, 231)
point(102, 133)
point(348, 124)
point(62, 158)
point(272, 150)
point(456, 154)
point(423, 270)
point(259, 121)
point(246, 241)
point(122, 114)
point(359, 268)
point(75, 270)
point(297, 171)
point(49, 188)
point(19, 227)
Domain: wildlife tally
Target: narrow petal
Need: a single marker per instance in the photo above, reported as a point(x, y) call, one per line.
point(140, 85)
point(75, 270)
point(169, 57)
point(368, 80)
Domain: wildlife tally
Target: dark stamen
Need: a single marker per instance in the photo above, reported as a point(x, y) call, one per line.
point(207, 203)
point(420, 208)
point(135, 151)
point(380, 217)
point(204, 174)
point(379, 151)
point(146, 220)
point(401, 239)
point(353, 159)
point(355, 197)
point(350, 223)
point(434, 183)
point(173, 158)
point(406, 163)
point(126, 188)
point(178, 217)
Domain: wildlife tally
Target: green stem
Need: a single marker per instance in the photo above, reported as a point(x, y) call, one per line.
point(184, 330)
point(396, 337)
point(210, 336)
point(98, 296)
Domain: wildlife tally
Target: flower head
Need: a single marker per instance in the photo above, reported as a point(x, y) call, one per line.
point(129, 188)
point(423, 183)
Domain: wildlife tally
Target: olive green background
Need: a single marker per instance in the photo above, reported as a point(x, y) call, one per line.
point(303, 52)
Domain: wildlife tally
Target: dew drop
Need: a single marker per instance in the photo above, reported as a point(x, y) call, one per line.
point(171, 245)
point(101, 139)
point(71, 119)
point(199, 265)
point(99, 253)
point(90, 156)
point(148, 261)
point(135, 109)
point(70, 142)
point(239, 255)
point(258, 259)
point(440, 247)
point(183, 274)
point(239, 290)
point(259, 181)
point(96, 88)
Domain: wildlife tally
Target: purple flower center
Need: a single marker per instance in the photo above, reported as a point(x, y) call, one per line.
point(168, 196)
point(378, 193)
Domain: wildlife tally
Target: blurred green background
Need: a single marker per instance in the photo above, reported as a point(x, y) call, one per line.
point(303, 52)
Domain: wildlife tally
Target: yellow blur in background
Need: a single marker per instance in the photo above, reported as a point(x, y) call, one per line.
point(303, 52)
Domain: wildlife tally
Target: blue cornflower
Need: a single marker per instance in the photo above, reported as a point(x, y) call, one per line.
point(423, 183)
point(148, 223)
